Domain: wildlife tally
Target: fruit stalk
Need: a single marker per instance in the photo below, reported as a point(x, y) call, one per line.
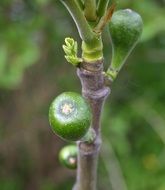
point(94, 90)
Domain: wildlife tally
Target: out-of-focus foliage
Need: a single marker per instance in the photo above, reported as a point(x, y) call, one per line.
point(18, 47)
point(32, 65)
point(25, 27)
point(134, 141)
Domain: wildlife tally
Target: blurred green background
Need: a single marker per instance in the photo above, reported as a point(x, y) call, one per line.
point(33, 71)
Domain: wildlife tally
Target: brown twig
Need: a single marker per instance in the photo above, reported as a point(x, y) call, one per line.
point(94, 90)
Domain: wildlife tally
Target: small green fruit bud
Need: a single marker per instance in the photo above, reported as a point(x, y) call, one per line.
point(67, 50)
point(125, 29)
point(70, 116)
point(71, 48)
point(68, 156)
point(69, 42)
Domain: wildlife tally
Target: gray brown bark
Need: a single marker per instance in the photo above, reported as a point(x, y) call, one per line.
point(95, 91)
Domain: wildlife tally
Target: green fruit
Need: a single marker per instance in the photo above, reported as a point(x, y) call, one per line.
point(70, 116)
point(68, 156)
point(125, 29)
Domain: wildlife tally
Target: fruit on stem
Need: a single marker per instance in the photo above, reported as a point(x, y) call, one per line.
point(70, 116)
point(125, 29)
point(68, 156)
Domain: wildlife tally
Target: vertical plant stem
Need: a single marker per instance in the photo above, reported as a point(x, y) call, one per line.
point(77, 14)
point(101, 8)
point(81, 4)
point(90, 10)
point(95, 92)
point(87, 165)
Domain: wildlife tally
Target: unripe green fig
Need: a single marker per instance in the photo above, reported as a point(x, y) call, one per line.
point(125, 29)
point(68, 156)
point(70, 116)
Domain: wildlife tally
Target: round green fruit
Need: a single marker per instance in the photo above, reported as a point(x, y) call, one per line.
point(70, 116)
point(125, 29)
point(68, 156)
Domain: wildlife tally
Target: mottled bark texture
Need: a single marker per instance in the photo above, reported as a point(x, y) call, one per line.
point(95, 91)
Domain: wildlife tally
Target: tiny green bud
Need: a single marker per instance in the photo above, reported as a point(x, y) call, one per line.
point(73, 60)
point(75, 47)
point(69, 42)
point(67, 50)
point(125, 29)
point(71, 49)
point(68, 156)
